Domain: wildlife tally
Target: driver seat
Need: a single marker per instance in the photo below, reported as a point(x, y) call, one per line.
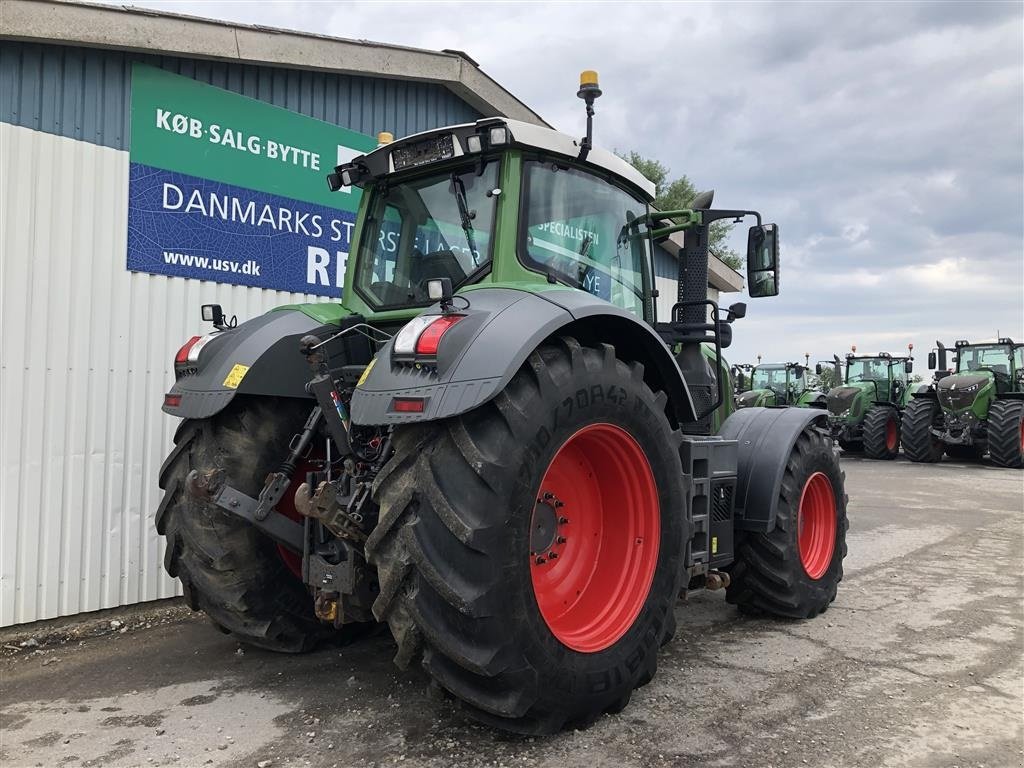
point(436, 264)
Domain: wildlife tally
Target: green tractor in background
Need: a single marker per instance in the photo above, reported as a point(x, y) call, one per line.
point(491, 443)
point(978, 408)
point(770, 384)
point(865, 408)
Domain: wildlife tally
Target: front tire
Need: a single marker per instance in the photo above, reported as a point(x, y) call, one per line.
point(919, 443)
point(794, 570)
point(577, 450)
point(1006, 433)
point(227, 569)
point(882, 433)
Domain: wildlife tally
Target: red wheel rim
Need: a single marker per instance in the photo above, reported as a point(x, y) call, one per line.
point(286, 506)
point(816, 525)
point(594, 538)
point(891, 435)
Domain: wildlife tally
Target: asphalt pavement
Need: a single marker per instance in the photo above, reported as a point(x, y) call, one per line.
point(918, 663)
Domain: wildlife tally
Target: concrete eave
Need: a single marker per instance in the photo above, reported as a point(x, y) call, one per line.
point(61, 22)
point(720, 275)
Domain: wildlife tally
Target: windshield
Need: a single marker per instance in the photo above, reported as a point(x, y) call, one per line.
point(585, 232)
point(432, 226)
point(983, 357)
point(773, 378)
point(868, 369)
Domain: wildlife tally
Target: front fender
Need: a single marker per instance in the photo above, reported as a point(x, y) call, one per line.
point(764, 437)
point(259, 357)
point(479, 356)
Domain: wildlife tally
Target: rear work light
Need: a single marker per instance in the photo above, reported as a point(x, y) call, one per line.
point(422, 335)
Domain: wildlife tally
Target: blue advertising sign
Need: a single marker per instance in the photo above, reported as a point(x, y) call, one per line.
point(230, 189)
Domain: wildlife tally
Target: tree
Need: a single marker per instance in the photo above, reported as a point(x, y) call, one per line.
point(675, 194)
point(827, 378)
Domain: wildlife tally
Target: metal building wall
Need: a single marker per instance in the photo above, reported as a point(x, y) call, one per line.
point(84, 93)
point(85, 345)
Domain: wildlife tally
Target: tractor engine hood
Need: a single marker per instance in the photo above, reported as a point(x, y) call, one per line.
point(841, 400)
point(750, 397)
point(960, 390)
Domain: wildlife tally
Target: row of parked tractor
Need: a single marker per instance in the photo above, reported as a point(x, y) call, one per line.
point(972, 406)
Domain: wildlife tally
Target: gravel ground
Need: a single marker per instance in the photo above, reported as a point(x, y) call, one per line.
point(918, 663)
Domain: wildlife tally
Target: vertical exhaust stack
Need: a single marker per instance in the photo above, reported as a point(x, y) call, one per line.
point(693, 266)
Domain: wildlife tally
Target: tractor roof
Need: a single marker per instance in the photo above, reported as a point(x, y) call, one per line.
point(381, 161)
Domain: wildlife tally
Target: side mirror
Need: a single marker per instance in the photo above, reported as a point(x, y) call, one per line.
point(800, 371)
point(763, 260)
point(738, 310)
point(724, 333)
point(818, 369)
point(908, 366)
point(740, 382)
point(932, 360)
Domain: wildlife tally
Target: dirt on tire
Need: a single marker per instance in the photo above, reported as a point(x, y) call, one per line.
point(227, 568)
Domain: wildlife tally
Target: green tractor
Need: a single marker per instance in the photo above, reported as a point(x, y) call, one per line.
point(490, 443)
point(772, 384)
point(978, 408)
point(866, 406)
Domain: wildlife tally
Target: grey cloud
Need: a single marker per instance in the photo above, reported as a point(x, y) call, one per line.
point(898, 125)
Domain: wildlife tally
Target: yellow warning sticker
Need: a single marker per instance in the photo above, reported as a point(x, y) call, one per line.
point(235, 376)
point(714, 545)
point(366, 372)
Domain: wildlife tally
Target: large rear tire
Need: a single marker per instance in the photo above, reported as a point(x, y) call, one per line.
point(530, 550)
point(882, 432)
point(919, 444)
point(227, 569)
point(794, 570)
point(1006, 433)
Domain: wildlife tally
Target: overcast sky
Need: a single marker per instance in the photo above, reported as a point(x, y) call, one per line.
point(885, 139)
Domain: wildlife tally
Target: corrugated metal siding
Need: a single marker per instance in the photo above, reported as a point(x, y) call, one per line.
point(86, 353)
point(84, 93)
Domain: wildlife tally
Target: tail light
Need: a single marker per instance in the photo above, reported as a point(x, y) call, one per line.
point(189, 352)
point(186, 349)
point(422, 335)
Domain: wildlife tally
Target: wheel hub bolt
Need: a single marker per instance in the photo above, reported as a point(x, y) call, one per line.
point(563, 520)
point(560, 540)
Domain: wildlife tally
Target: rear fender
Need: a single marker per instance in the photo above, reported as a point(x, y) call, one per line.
point(764, 437)
point(259, 357)
point(480, 354)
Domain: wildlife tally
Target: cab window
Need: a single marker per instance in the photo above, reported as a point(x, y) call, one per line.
point(585, 232)
point(436, 225)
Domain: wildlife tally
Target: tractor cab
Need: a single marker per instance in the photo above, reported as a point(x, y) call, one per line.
point(503, 203)
point(778, 384)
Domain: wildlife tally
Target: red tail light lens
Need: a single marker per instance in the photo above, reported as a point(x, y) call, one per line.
point(430, 338)
point(182, 356)
point(172, 401)
point(408, 404)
